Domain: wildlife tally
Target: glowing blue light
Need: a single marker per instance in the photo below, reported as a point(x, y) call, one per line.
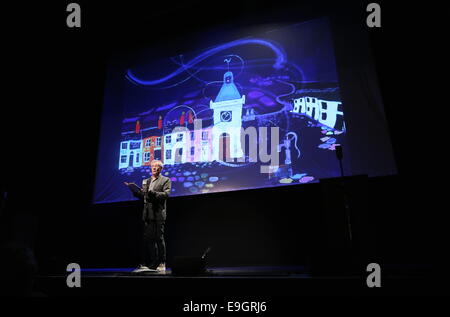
point(279, 63)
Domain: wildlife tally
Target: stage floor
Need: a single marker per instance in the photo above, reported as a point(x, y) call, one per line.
point(212, 272)
point(239, 281)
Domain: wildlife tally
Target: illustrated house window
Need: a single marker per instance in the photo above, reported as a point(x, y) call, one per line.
point(124, 146)
point(192, 150)
point(178, 155)
point(137, 158)
point(158, 141)
point(168, 138)
point(123, 158)
point(168, 154)
point(324, 105)
point(192, 135)
point(307, 99)
point(225, 116)
point(205, 135)
point(314, 100)
point(324, 115)
point(180, 137)
point(147, 142)
point(146, 156)
point(135, 145)
point(204, 152)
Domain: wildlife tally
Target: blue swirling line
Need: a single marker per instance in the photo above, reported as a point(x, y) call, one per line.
point(192, 75)
point(198, 69)
point(280, 61)
point(285, 103)
point(249, 64)
point(206, 86)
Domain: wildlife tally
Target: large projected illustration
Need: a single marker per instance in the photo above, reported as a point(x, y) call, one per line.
point(254, 112)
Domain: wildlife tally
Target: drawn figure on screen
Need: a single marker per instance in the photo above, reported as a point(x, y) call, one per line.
point(138, 127)
point(287, 146)
point(287, 150)
point(182, 119)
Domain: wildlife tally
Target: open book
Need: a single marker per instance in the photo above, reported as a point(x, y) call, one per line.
point(134, 188)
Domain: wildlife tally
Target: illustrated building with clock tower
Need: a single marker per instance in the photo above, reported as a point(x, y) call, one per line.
point(227, 119)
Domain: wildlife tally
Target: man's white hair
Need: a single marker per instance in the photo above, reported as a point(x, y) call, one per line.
point(157, 162)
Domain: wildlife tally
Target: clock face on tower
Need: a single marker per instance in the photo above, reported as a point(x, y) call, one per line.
point(225, 116)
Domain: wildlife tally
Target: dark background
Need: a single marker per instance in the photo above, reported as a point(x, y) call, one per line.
point(51, 112)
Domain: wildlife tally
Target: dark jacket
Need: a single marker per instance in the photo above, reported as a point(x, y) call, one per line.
point(155, 200)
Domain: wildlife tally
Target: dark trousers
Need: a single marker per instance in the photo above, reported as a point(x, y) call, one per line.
point(153, 246)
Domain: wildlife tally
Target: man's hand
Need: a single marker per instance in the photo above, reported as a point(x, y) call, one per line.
point(128, 184)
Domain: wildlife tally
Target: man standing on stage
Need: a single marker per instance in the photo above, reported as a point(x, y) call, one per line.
point(154, 193)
